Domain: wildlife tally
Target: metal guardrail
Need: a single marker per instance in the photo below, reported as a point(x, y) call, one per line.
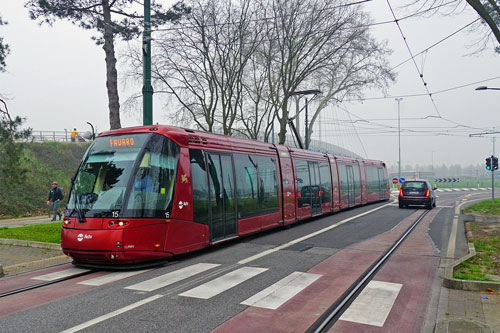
point(53, 136)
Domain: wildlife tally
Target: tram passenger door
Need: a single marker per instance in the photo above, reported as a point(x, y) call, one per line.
point(315, 188)
point(223, 222)
point(350, 185)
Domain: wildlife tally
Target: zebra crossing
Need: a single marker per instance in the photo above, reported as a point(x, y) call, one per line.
point(271, 297)
point(393, 191)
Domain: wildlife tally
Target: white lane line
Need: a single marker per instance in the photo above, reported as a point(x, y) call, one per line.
point(373, 304)
point(223, 283)
point(61, 274)
point(274, 296)
point(112, 277)
point(314, 234)
point(452, 240)
point(111, 314)
point(172, 277)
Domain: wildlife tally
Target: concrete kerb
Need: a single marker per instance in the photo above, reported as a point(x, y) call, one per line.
point(40, 245)
point(450, 282)
point(32, 265)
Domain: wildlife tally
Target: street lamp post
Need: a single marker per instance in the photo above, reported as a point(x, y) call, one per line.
point(399, 99)
point(306, 92)
point(493, 141)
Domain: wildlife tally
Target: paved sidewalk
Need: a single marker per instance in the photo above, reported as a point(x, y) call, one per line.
point(18, 257)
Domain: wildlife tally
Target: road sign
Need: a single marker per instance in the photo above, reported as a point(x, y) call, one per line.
point(401, 180)
point(394, 180)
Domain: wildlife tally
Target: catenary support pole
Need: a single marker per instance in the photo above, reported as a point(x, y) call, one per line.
point(147, 89)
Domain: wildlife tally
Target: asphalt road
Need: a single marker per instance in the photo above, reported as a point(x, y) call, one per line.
point(68, 304)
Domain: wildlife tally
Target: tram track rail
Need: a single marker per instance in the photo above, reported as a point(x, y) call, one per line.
point(333, 313)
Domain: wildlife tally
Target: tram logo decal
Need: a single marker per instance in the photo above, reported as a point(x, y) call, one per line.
point(183, 204)
point(184, 178)
point(81, 237)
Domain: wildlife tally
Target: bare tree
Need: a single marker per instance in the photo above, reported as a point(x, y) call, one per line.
point(97, 14)
point(488, 11)
point(359, 64)
point(202, 62)
point(4, 49)
point(301, 38)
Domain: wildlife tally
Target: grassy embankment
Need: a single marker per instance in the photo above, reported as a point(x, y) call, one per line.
point(45, 163)
point(486, 239)
point(47, 233)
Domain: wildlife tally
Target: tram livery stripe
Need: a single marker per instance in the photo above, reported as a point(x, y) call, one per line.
point(61, 274)
point(112, 277)
point(172, 277)
point(280, 292)
point(223, 283)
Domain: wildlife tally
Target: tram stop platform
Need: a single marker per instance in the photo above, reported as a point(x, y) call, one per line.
point(455, 310)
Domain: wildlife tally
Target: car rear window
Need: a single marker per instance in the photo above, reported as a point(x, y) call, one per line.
point(414, 185)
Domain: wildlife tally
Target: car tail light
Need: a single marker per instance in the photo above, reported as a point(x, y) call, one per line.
point(400, 192)
point(427, 193)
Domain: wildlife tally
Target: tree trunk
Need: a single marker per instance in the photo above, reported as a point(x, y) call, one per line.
point(111, 74)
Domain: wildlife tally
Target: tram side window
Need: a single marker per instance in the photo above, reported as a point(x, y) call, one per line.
point(326, 183)
point(153, 186)
point(247, 185)
point(268, 184)
point(303, 183)
point(200, 186)
point(344, 184)
point(372, 179)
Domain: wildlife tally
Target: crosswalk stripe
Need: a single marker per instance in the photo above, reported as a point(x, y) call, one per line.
point(280, 292)
point(223, 283)
point(112, 277)
point(172, 277)
point(61, 274)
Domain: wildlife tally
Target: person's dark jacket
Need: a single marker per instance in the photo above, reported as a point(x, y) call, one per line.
point(55, 194)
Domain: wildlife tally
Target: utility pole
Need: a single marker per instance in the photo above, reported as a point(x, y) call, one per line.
point(399, 99)
point(314, 92)
point(147, 89)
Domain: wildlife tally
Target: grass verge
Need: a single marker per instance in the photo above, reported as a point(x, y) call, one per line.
point(47, 233)
point(487, 207)
point(486, 262)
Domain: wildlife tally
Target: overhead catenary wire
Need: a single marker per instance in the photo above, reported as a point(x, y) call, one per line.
point(413, 58)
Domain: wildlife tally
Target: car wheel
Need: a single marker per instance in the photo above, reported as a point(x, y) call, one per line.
point(401, 205)
point(430, 205)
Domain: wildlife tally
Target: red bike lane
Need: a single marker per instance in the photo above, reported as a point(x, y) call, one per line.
point(411, 269)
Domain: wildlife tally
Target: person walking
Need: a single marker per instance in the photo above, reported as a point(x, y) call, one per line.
point(54, 199)
point(74, 134)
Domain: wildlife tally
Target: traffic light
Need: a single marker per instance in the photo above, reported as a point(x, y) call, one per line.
point(488, 163)
point(494, 163)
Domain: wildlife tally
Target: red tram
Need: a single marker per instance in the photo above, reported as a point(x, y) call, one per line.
point(150, 192)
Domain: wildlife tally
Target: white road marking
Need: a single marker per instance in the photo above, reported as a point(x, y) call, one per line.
point(111, 314)
point(249, 259)
point(373, 304)
point(314, 234)
point(223, 283)
point(112, 277)
point(61, 274)
point(172, 277)
point(280, 292)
